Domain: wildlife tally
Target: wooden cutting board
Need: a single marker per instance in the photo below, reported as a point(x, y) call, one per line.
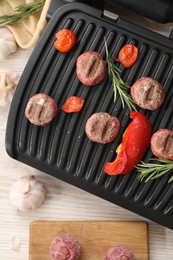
point(94, 237)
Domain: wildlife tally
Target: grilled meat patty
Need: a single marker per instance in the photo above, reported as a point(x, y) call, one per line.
point(162, 144)
point(41, 109)
point(90, 68)
point(148, 93)
point(102, 127)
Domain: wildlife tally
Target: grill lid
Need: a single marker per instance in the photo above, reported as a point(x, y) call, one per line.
point(160, 11)
point(61, 149)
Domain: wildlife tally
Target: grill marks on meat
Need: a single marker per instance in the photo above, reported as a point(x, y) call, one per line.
point(41, 109)
point(147, 93)
point(36, 111)
point(90, 68)
point(150, 91)
point(102, 128)
point(167, 143)
point(162, 144)
point(108, 128)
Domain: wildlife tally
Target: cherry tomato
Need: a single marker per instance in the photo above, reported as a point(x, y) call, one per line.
point(73, 104)
point(66, 39)
point(128, 55)
point(136, 139)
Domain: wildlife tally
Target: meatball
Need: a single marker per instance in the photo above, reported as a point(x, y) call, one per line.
point(41, 109)
point(119, 253)
point(64, 247)
point(102, 127)
point(90, 68)
point(148, 93)
point(162, 144)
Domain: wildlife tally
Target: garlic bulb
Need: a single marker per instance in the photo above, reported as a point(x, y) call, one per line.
point(8, 83)
point(27, 194)
point(7, 43)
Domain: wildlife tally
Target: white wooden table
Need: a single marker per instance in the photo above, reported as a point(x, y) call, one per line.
point(63, 202)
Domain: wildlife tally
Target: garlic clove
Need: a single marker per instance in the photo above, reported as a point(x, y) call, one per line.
point(15, 243)
point(7, 43)
point(27, 194)
point(8, 83)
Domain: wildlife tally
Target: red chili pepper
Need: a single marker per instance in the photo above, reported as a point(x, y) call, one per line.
point(66, 39)
point(73, 104)
point(128, 55)
point(134, 144)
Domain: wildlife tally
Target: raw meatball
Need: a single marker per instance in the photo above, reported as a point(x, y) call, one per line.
point(162, 144)
point(41, 109)
point(119, 253)
point(148, 93)
point(102, 127)
point(64, 247)
point(90, 68)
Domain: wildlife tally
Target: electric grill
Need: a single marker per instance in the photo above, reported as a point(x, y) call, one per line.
point(61, 149)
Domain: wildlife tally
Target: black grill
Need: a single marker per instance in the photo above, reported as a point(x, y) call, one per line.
point(62, 149)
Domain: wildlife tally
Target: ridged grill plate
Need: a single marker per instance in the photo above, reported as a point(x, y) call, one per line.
point(61, 148)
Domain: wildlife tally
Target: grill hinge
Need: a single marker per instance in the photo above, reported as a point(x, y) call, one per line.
point(171, 34)
point(110, 15)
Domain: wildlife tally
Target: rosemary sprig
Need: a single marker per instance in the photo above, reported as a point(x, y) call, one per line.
point(21, 12)
point(119, 86)
point(151, 171)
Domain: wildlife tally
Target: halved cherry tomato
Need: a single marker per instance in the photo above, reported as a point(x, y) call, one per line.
point(73, 104)
point(136, 139)
point(128, 55)
point(66, 39)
